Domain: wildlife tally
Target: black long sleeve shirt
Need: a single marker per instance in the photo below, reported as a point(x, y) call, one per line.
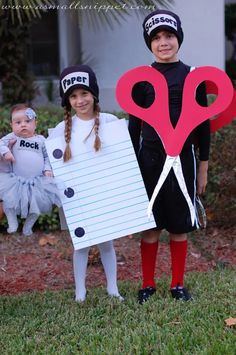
point(143, 94)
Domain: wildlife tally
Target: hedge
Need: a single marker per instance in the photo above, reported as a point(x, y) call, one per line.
point(220, 198)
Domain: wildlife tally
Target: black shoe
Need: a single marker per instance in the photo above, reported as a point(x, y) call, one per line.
point(145, 293)
point(181, 294)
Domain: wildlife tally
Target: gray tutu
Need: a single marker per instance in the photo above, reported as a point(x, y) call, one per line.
point(29, 195)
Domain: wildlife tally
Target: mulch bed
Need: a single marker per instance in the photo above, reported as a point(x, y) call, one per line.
point(44, 261)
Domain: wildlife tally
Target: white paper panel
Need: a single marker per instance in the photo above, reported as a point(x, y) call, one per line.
point(109, 198)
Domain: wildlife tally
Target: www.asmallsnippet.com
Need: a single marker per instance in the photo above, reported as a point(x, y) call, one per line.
point(77, 5)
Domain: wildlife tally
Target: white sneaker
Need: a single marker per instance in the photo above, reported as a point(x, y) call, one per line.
point(118, 296)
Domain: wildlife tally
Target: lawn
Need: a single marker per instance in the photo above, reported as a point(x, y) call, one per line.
point(52, 323)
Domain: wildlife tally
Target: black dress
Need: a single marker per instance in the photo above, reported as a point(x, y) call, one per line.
point(171, 210)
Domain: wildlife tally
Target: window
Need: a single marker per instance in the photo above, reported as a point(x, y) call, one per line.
point(43, 52)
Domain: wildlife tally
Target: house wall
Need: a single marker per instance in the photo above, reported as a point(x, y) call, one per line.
point(112, 52)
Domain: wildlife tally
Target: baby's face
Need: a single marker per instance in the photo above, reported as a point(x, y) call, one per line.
point(22, 126)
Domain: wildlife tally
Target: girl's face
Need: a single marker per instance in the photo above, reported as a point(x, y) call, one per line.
point(165, 46)
point(82, 101)
point(22, 126)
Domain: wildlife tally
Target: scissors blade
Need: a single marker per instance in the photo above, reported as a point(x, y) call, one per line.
point(177, 167)
point(169, 162)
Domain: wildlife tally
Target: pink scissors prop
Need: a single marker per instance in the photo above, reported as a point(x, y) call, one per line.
point(157, 115)
point(224, 117)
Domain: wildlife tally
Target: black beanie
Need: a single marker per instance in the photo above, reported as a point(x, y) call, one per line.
point(162, 20)
point(76, 77)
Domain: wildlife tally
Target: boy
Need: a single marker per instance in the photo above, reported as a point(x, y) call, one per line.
point(163, 35)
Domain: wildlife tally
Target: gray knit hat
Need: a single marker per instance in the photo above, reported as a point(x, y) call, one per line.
point(162, 20)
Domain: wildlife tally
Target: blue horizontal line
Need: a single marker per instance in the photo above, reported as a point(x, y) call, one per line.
point(102, 221)
point(94, 186)
point(122, 208)
point(103, 177)
point(77, 169)
point(103, 149)
point(119, 231)
point(107, 198)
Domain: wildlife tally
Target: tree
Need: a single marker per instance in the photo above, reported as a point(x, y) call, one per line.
point(19, 9)
point(16, 16)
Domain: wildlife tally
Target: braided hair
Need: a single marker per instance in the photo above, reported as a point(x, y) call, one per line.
point(97, 141)
point(67, 132)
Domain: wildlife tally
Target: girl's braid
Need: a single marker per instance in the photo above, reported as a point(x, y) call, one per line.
point(97, 142)
point(67, 133)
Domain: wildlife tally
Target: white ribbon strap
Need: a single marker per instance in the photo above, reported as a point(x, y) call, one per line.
point(174, 162)
point(165, 171)
point(180, 178)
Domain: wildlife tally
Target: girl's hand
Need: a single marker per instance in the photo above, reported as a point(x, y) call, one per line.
point(48, 173)
point(9, 157)
point(202, 177)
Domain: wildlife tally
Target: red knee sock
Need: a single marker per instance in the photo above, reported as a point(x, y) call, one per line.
point(178, 252)
point(148, 256)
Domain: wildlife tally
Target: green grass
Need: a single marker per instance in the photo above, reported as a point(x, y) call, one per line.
point(52, 323)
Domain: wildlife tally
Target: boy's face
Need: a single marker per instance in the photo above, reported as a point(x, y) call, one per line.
point(22, 126)
point(165, 46)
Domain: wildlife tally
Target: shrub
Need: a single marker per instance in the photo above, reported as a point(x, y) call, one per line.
point(221, 191)
point(220, 199)
point(17, 82)
point(47, 117)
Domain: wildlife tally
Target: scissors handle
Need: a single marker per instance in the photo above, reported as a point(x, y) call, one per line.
point(226, 116)
point(156, 115)
point(192, 114)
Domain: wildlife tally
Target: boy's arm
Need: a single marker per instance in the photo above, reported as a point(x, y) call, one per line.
point(202, 176)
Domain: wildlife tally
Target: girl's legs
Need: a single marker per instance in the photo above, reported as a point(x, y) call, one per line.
point(80, 262)
point(29, 223)
point(108, 257)
point(11, 219)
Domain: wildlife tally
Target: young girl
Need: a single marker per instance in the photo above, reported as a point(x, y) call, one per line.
point(29, 190)
point(79, 91)
point(163, 35)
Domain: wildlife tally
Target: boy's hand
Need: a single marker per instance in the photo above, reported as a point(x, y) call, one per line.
point(9, 157)
point(48, 173)
point(202, 177)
